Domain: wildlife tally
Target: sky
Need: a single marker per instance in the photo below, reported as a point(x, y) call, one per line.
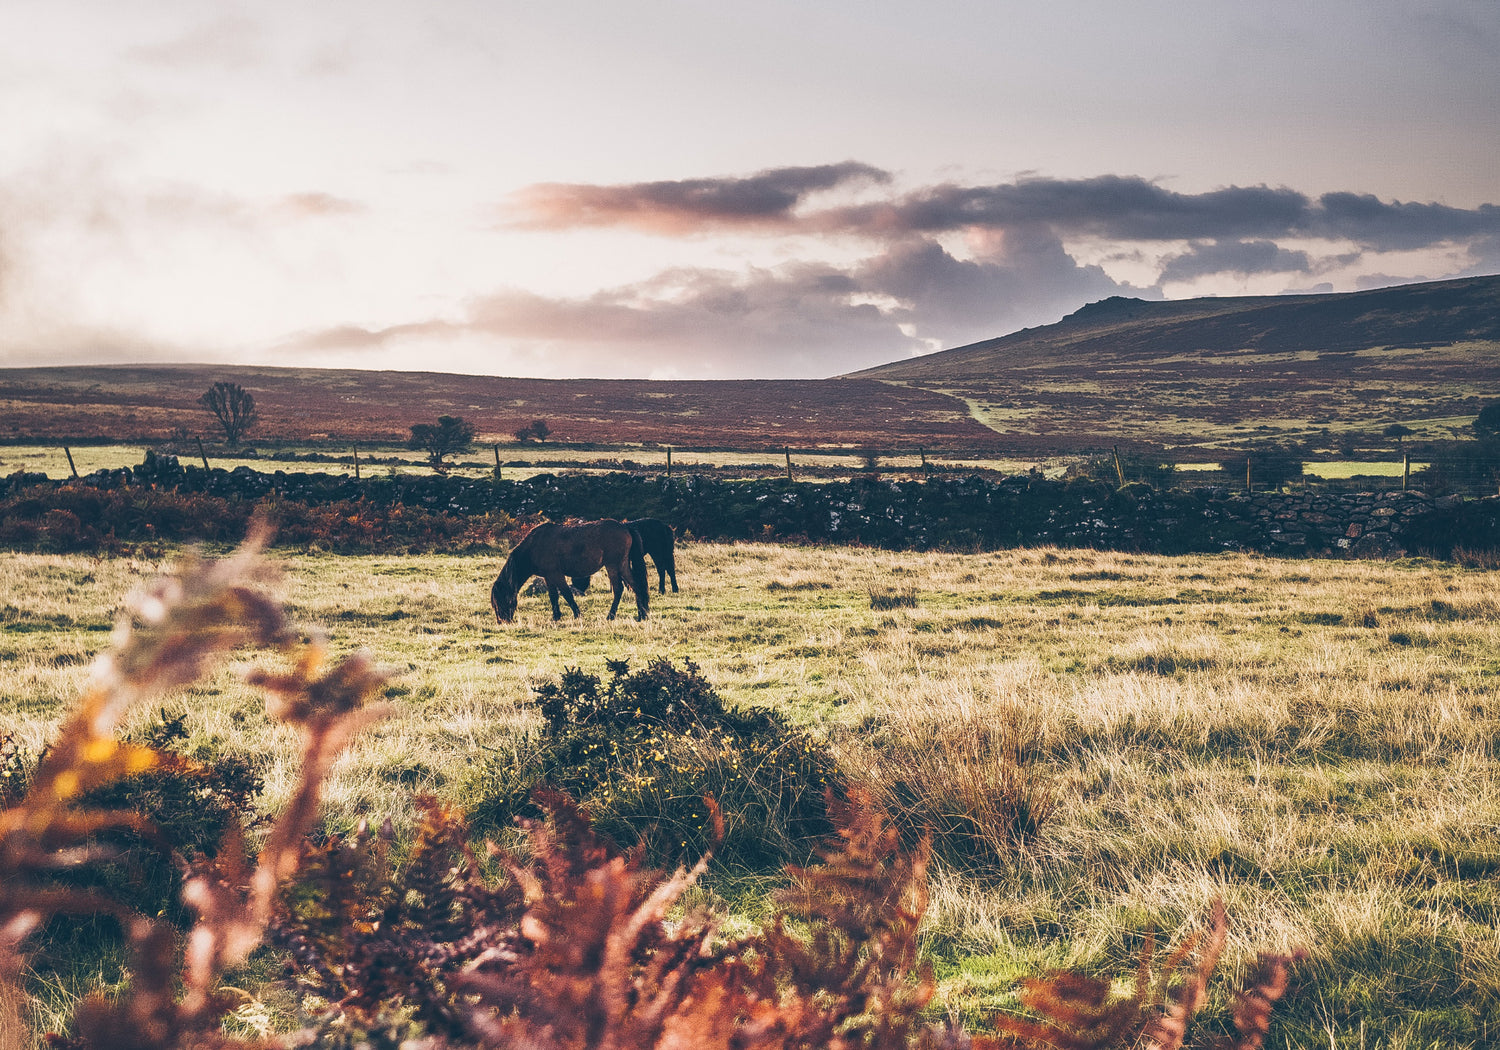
point(702, 190)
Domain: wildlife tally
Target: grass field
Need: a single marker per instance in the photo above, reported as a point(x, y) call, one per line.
point(518, 462)
point(1312, 741)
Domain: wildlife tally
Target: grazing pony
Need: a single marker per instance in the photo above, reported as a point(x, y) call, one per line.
point(554, 552)
point(657, 539)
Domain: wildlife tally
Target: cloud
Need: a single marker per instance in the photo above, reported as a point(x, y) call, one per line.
point(802, 320)
point(1236, 257)
point(229, 41)
point(1117, 208)
point(1369, 221)
point(1025, 278)
point(317, 205)
point(1110, 206)
point(767, 199)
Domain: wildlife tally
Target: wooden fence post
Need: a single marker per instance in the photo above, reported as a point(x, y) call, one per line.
point(499, 475)
point(355, 450)
point(1405, 470)
point(1247, 473)
point(922, 452)
point(202, 455)
point(669, 462)
point(789, 463)
point(1119, 470)
point(69, 453)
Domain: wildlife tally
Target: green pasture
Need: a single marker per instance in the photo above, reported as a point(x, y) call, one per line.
point(1347, 468)
point(1313, 742)
point(517, 462)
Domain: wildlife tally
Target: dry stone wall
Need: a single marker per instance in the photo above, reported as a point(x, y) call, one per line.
point(945, 511)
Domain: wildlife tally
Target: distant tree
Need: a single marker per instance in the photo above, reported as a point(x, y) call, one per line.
point(537, 429)
point(1399, 432)
point(1488, 420)
point(448, 436)
point(233, 406)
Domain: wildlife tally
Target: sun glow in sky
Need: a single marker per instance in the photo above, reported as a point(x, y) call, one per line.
point(680, 189)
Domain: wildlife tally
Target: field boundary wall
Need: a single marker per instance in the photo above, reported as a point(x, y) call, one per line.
point(965, 512)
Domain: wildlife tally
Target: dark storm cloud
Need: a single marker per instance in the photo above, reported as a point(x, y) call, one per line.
point(1133, 209)
point(1236, 257)
point(1028, 279)
point(1120, 207)
point(1370, 221)
point(1113, 207)
point(767, 198)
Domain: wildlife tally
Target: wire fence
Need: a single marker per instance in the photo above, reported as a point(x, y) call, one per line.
point(1470, 468)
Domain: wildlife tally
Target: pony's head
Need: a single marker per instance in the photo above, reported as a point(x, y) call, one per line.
point(503, 595)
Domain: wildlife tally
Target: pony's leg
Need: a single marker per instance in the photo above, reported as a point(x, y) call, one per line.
point(560, 586)
point(617, 585)
point(642, 590)
point(661, 576)
point(672, 569)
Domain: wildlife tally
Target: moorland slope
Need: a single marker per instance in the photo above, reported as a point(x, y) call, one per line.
point(1200, 374)
point(149, 402)
point(1220, 371)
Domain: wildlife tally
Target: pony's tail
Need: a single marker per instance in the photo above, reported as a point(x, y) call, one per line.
point(638, 581)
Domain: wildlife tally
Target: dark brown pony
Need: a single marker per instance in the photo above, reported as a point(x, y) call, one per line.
point(555, 552)
point(657, 540)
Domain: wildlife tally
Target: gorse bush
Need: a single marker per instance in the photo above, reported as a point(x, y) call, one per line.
point(641, 752)
point(15, 769)
point(190, 801)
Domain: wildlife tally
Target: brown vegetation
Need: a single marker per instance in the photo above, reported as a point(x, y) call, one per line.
point(148, 402)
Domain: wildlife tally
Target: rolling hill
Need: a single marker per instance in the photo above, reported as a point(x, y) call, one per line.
point(1191, 376)
point(149, 402)
point(1215, 372)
